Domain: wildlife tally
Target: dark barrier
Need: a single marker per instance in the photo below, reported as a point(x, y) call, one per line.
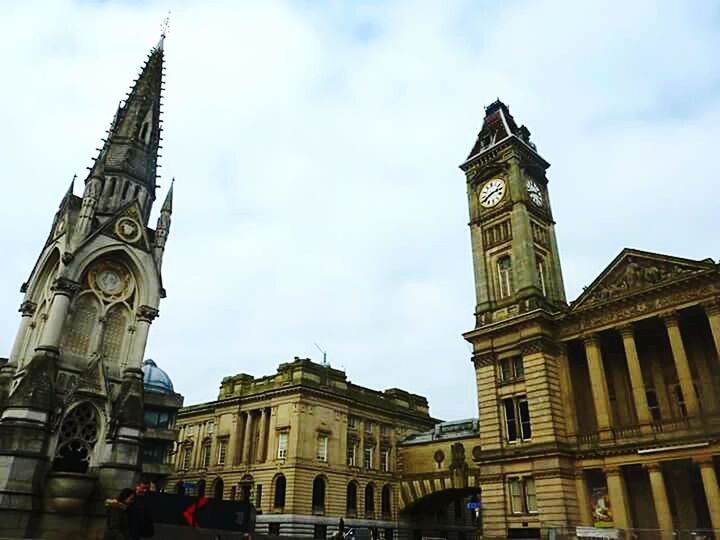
point(184, 510)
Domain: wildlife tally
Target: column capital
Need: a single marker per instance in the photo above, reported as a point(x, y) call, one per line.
point(591, 340)
point(653, 467)
point(670, 318)
point(147, 314)
point(711, 307)
point(612, 470)
point(27, 308)
point(626, 330)
point(65, 286)
point(579, 474)
point(704, 461)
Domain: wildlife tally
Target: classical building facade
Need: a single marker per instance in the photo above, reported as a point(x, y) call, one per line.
point(600, 412)
point(306, 445)
point(71, 392)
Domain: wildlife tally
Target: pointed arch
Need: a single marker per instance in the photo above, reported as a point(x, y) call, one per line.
point(78, 434)
point(81, 325)
point(115, 334)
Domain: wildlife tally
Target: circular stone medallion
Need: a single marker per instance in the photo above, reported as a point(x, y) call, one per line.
point(128, 229)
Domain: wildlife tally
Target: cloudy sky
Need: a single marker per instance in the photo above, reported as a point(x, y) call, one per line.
point(316, 144)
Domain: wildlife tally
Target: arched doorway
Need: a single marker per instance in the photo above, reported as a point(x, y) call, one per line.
point(432, 515)
point(351, 499)
point(369, 501)
point(318, 495)
point(246, 486)
point(201, 488)
point(279, 486)
point(218, 488)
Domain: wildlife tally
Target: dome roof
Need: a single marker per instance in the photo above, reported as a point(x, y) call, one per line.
point(155, 379)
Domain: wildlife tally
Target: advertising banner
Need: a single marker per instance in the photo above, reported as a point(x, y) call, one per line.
point(600, 504)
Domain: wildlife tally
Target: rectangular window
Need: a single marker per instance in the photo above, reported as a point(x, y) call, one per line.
point(368, 426)
point(384, 430)
point(511, 368)
point(222, 450)
point(517, 419)
point(680, 401)
point(205, 459)
point(522, 495)
point(653, 405)
point(187, 458)
point(530, 498)
point(367, 458)
point(516, 498)
point(210, 427)
point(352, 455)
point(352, 423)
point(282, 445)
point(258, 496)
point(322, 448)
point(386, 461)
point(189, 429)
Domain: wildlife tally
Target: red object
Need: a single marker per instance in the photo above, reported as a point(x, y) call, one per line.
point(189, 512)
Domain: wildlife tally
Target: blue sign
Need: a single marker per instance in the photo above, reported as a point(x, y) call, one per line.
point(473, 505)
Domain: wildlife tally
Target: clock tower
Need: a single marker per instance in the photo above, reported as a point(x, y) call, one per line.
point(515, 255)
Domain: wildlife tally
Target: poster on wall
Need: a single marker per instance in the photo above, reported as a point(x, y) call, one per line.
point(600, 504)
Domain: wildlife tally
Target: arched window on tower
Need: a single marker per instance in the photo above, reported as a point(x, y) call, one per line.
point(504, 269)
point(116, 325)
point(145, 132)
point(279, 495)
point(318, 495)
point(218, 488)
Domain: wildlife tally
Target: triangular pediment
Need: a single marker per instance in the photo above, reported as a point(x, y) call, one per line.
point(633, 271)
point(125, 225)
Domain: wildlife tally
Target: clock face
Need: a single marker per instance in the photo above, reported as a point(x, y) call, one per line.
point(492, 193)
point(535, 192)
point(109, 282)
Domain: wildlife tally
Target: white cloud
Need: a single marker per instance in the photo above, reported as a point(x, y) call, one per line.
point(315, 149)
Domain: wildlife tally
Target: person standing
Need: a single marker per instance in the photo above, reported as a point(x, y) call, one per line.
point(140, 521)
point(116, 527)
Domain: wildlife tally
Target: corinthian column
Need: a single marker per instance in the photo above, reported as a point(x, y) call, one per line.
point(636, 378)
point(682, 366)
point(598, 383)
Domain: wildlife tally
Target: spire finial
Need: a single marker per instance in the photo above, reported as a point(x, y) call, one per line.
point(167, 205)
point(164, 28)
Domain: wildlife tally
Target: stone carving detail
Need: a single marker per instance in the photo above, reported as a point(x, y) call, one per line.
point(439, 457)
point(484, 359)
point(458, 465)
point(147, 313)
point(637, 273)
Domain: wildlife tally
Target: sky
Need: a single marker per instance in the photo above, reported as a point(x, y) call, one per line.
point(316, 145)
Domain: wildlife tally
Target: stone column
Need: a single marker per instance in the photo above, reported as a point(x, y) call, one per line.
point(568, 396)
point(64, 290)
point(261, 441)
point(145, 316)
point(583, 499)
point(598, 383)
point(682, 366)
point(660, 499)
point(712, 309)
point(712, 491)
point(247, 442)
point(636, 378)
point(27, 309)
point(618, 497)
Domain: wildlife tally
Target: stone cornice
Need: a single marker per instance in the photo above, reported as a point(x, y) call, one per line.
point(27, 308)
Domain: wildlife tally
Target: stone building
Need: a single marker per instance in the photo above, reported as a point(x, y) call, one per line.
point(71, 392)
point(306, 445)
point(603, 411)
point(161, 405)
